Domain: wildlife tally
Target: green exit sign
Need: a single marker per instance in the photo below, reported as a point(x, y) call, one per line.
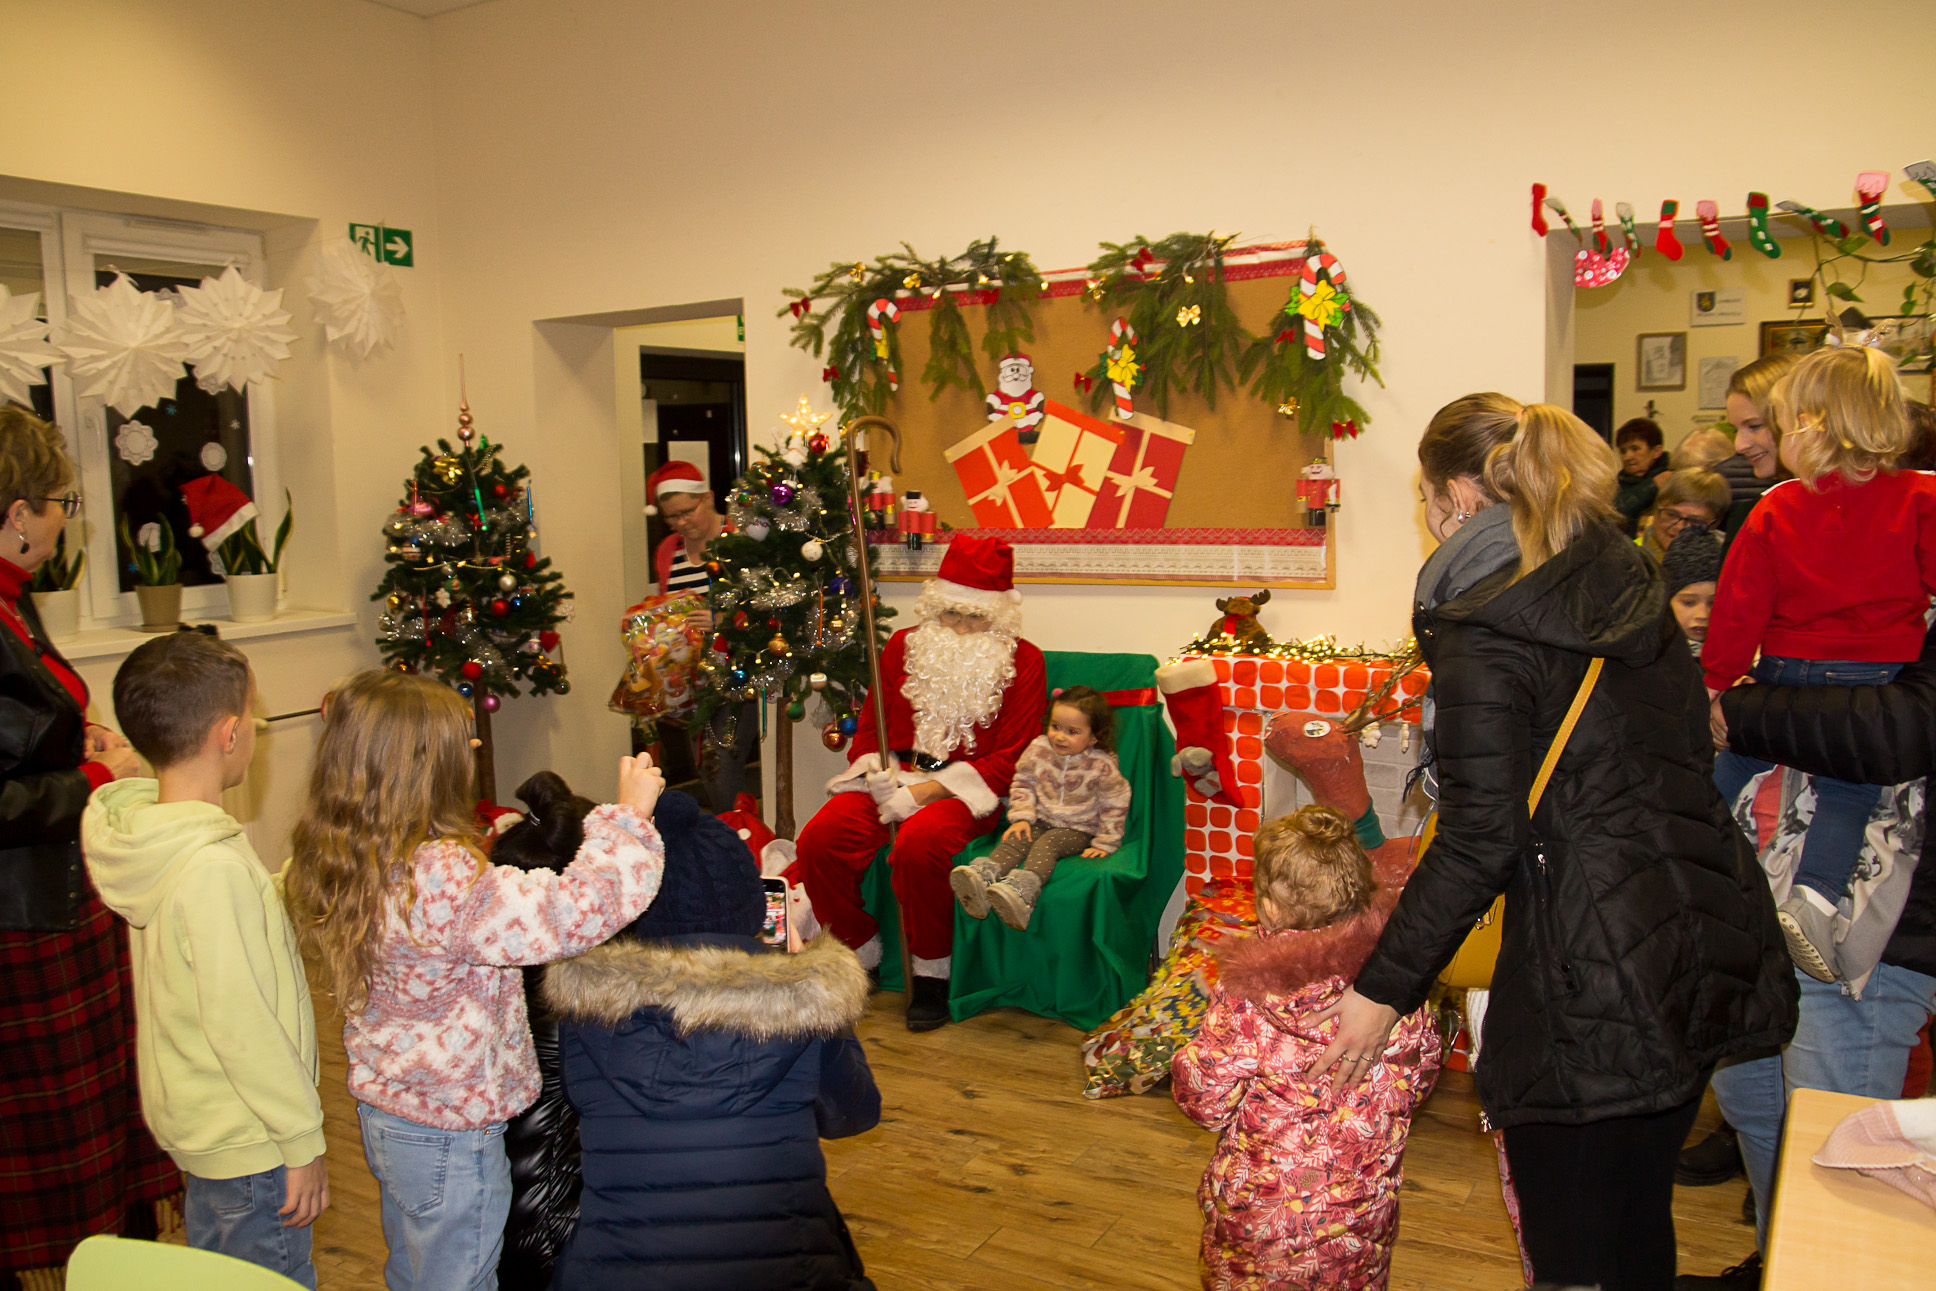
point(382, 243)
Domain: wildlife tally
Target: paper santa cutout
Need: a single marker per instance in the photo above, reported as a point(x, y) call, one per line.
point(1017, 398)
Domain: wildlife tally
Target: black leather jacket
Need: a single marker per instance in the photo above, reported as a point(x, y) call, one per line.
point(43, 735)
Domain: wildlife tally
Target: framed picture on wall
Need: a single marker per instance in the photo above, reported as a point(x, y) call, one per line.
point(1784, 337)
point(1661, 361)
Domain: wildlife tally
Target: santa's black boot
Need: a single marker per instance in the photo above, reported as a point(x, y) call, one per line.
point(927, 1004)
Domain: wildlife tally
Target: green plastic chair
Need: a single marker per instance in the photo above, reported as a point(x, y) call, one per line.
point(123, 1264)
point(1087, 950)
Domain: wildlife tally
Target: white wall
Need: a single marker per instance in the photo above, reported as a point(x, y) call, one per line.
point(558, 158)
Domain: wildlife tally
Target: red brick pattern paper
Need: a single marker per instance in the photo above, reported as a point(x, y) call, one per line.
point(1073, 454)
point(1003, 489)
point(1136, 489)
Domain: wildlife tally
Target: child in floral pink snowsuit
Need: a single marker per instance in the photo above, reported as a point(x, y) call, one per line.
point(1303, 1188)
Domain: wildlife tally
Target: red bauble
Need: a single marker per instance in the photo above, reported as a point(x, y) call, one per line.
point(832, 736)
point(816, 443)
point(499, 490)
point(548, 640)
point(739, 619)
point(500, 607)
point(530, 560)
point(773, 623)
point(471, 669)
point(722, 645)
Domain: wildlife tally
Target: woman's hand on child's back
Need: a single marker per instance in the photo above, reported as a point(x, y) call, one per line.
point(640, 783)
point(1021, 829)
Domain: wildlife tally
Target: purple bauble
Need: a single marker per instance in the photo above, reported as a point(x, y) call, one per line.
point(782, 494)
point(490, 703)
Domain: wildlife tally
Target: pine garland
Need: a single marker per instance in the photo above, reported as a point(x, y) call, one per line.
point(1311, 392)
point(1174, 295)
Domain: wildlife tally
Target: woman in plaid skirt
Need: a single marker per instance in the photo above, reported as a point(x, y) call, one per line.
point(75, 1158)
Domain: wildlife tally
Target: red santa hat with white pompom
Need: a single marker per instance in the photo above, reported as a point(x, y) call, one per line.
point(216, 509)
point(977, 572)
point(674, 477)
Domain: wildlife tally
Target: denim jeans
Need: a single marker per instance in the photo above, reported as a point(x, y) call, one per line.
point(1842, 809)
point(1841, 1044)
point(446, 1194)
point(237, 1217)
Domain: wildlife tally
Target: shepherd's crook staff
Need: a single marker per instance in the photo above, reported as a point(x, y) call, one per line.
point(856, 463)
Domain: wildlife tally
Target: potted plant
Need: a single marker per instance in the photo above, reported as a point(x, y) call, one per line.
point(57, 595)
point(223, 517)
point(157, 573)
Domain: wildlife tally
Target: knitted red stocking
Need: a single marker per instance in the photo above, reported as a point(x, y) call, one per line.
point(1665, 242)
point(1710, 216)
point(1196, 711)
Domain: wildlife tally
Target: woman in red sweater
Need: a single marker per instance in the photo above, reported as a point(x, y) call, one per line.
point(1830, 578)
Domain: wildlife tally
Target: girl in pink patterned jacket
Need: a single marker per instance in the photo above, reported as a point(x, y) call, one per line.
point(422, 940)
point(1302, 1190)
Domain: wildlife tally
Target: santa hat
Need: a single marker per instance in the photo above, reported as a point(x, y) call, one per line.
point(977, 572)
point(673, 477)
point(216, 509)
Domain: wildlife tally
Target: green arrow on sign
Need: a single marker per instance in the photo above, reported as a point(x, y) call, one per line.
point(396, 247)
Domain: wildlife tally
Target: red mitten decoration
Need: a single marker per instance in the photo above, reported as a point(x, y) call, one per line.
point(1539, 214)
point(1196, 711)
point(1665, 242)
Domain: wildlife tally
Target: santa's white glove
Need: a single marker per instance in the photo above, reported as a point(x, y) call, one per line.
point(899, 806)
point(882, 784)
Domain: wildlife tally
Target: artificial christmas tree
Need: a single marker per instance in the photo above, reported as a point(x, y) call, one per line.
point(465, 597)
point(787, 621)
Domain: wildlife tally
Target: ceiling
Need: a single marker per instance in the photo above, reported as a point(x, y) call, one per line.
point(427, 8)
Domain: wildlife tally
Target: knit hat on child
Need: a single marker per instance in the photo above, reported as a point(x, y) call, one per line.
point(1693, 557)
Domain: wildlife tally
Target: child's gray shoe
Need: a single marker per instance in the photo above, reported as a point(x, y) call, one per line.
point(1811, 935)
point(970, 883)
point(1014, 898)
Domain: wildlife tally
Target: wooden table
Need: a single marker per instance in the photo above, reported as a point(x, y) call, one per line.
point(1839, 1228)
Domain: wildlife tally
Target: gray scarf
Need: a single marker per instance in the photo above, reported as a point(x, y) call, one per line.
point(1482, 545)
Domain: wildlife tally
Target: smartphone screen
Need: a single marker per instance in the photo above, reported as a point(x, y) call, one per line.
point(773, 930)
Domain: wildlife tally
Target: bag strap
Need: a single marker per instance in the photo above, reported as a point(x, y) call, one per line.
point(1565, 733)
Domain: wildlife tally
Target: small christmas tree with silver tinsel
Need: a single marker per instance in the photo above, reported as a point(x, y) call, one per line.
point(465, 598)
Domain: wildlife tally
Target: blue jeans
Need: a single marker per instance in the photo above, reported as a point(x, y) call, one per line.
point(237, 1217)
point(1841, 1044)
point(446, 1194)
point(1842, 809)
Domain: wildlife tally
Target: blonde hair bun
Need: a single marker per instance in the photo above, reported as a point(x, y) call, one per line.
point(1310, 870)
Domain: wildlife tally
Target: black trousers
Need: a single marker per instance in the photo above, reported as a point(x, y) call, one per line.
point(1596, 1201)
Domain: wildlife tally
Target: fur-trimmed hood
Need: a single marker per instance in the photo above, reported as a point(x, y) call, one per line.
point(713, 987)
point(1279, 964)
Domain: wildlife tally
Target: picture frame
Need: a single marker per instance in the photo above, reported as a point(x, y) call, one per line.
point(1660, 361)
point(1786, 336)
point(1801, 292)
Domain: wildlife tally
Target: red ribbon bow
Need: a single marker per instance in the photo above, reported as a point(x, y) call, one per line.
point(1286, 336)
point(830, 373)
point(1142, 260)
point(1346, 429)
point(1084, 381)
point(800, 307)
point(1055, 480)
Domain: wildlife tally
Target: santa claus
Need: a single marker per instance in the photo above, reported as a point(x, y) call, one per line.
point(964, 698)
point(1017, 398)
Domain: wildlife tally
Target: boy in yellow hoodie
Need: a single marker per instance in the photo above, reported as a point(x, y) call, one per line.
point(225, 1037)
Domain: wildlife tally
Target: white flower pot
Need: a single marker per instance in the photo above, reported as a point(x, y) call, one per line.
point(160, 607)
point(252, 597)
point(60, 613)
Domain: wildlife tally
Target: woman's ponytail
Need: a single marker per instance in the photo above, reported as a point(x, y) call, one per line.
point(1557, 475)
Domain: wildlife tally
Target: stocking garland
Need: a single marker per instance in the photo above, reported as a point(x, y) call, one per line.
point(1627, 230)
point(1664, 241)
point(1870, 185)
point(1826, 225)
point(1710, 217)
point(1758, 233)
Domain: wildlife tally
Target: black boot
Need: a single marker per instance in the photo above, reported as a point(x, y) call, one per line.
point(1715, 1159)
point(1745, 1276)
point(927, 1004)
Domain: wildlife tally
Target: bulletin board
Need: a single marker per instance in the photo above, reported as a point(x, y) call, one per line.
point(1232, 517)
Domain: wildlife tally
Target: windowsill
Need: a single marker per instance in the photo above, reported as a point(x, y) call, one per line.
point(101, 643)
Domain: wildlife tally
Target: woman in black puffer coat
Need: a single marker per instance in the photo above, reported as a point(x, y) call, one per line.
point(706, 1067)
point(1639, 944)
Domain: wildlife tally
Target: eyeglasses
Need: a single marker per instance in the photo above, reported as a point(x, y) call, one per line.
point(70, 503)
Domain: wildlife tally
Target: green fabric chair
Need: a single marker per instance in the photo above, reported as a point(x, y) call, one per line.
point(1088, 947)
point(122, 1264)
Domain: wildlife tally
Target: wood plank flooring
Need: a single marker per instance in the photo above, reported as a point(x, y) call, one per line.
point(990, 1172)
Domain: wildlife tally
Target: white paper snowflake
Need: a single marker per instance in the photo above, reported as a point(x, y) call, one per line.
point(359, 301)
point(24, 350)
point(214, 456)
point(236, 332)
point(122, 346)
point(135, 443)
point(149, 536)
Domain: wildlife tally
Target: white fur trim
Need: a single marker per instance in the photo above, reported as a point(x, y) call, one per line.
point(241, 516)
point(980, 598)
point(854, 778)
point(964, 782)
point(942, 967)
point(683, 486)
point(1188, 674)
point(776, 856)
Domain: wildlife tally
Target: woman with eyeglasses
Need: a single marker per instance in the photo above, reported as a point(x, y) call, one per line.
point(75, 1158)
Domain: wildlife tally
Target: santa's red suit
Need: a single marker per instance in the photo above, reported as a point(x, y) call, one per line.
point(841, 840)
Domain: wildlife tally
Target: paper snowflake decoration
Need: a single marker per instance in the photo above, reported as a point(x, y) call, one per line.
point(236, 332)
point(135, 443)
point(122, 346)
point(359, 301)
point(214, 456)
point(24, 350)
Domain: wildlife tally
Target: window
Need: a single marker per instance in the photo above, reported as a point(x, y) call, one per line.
point(135, 466)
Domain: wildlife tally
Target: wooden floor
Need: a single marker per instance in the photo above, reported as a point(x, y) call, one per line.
point(990, 1172)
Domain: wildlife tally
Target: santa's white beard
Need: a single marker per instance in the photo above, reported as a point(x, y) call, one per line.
point(955, 682)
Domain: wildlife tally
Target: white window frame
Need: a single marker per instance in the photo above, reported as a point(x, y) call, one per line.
point(82, 236)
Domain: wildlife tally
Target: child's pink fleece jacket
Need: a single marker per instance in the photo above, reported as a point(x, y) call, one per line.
point(444, 1040)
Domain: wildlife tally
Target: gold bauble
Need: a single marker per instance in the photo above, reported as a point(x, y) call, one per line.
point(448, 469)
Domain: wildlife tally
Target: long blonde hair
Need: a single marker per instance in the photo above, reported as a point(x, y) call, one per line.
point(1559, 477)
point(1845, 408)
point(392, 770)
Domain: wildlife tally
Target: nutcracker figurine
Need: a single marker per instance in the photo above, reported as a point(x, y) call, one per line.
point(1318, 488)
point(917, 520)
point(880, 502)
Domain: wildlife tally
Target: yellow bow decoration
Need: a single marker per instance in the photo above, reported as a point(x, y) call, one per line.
point(1189, 314)
point(1323, 306)
point(1123, 367)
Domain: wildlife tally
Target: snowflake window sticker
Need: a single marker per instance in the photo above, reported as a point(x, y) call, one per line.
point(214, 456)
point(235, 331)
point(135, 443)
point(122, 346)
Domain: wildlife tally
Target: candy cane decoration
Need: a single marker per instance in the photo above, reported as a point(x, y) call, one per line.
point(1870, 185)
point(884, 309)
point(1307, 287)
point(1121, 334)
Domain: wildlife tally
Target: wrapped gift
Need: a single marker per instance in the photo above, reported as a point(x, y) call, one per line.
point(1137, 487)
point(1003, 489)
point(662, 657)
point(1072, 455)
